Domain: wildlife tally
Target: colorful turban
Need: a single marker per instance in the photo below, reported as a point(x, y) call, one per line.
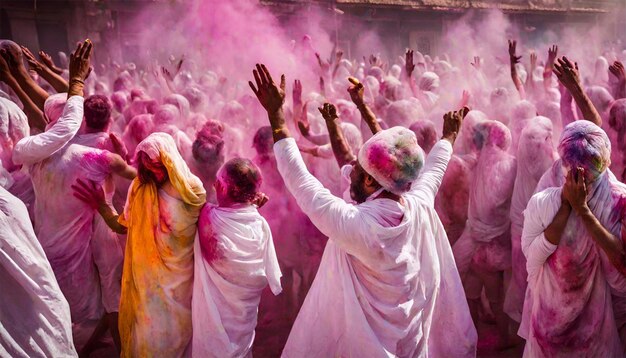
point(584, 144)
point(393, 158)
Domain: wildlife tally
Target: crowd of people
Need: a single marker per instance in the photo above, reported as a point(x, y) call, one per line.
point(381, 211)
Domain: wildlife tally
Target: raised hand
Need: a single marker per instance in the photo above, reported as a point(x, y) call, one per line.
point(267, 92)
point(452, 123)
point(166, 74)
point(575, 190)
point(533, 61)
point(512, 52)
point(567, 73)
point(32, 61)
point(297, 92)
point(356, 91)
point(324, 65)
point(409, 65)
point(47, 60)
point(552, 54)
point(328, 111)
point(305, 128)
point(89, 192)
point(79, 61)
point(617, 70)
point(476, 63)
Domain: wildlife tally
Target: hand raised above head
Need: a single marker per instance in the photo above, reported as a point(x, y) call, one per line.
point(80, 61)
point(328, 111)
point(270, 95)
point(356, 91)
point(409, 65)
point(617, 70)
point(32, 61)
point(452, 123)
point(552, 54)
point(567, 73)
point(512, 52)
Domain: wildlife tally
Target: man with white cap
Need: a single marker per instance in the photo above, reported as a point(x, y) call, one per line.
point(387, 284)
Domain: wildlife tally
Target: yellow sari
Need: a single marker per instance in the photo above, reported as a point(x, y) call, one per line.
point(157, 282)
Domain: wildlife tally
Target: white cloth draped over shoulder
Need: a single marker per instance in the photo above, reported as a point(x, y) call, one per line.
point(387, 284)
point(34, 315)
point(228, 285)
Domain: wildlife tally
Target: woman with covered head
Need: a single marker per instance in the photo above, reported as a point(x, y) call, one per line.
point(234, 261)
point(483, 252)
point(574, 245)
point(387, 284)
point(160, 217)
point(535, 155)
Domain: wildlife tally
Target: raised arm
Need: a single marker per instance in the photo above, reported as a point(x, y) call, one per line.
point(33, 113)
point(514, 60)
point(567, 113)
point(32, 149)
point(568, 75)
point(436, 163)
point(547, 70)
point(341, 149)
point(47, 60)
point(331, 215)
point(13, 57)
point(57, 82)
point(617, 70)
point(356, 94)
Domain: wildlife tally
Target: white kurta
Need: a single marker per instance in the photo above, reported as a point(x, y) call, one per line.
point(234, 261)
point(387, 284)
point(34, 315)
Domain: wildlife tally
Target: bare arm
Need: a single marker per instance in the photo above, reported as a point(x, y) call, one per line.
point(340, 146)
point(356, 94)
point(617, 70)
point(547, 70)
point(567, 114)
point(47, 60)
point(34, 114)
point(120, 167)
point(57, 82)
point(567, 73)
point(28, 85)
point(515, 60)
point(272, 98)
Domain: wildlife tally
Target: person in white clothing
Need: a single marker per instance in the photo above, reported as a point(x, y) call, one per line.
point(387, 284)
point(234, 261)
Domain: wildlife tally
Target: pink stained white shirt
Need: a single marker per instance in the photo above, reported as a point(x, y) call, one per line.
point(387, 284)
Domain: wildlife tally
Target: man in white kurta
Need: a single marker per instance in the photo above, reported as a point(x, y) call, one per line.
point(387, 283)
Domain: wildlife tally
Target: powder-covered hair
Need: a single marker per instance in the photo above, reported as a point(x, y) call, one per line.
point(241, 178)
point(97, 112)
